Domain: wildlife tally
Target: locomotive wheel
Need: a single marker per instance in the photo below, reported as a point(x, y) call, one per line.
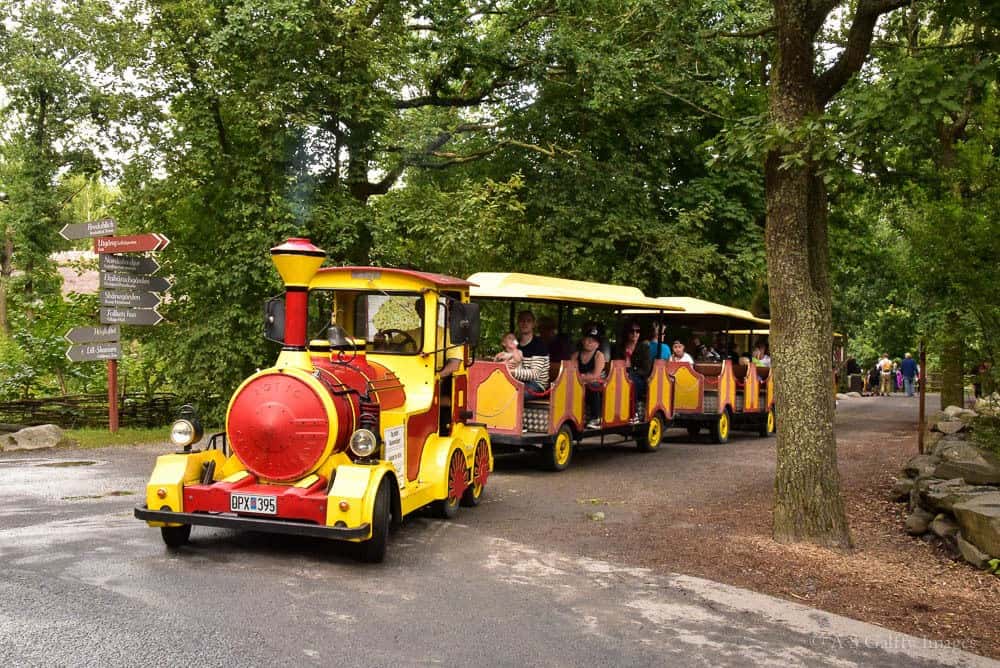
point(559, 453)
point(767, 425)
point(720, 428)
point(176, 536)
point(653, 436)
point(448, 508)
point(373, 549)
point(480, 472)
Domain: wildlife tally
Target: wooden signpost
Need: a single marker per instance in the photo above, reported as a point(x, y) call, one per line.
point(128, 296)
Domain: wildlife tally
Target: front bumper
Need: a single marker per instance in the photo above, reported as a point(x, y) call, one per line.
point(231, 521)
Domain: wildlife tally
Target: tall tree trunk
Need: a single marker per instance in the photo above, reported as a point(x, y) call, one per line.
point(6, 271)
point(808, 505)
point(952, 363)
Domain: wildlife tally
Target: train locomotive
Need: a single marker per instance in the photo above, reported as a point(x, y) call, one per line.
point(352, 428)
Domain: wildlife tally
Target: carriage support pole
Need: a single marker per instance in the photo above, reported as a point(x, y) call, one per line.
point(113, 396)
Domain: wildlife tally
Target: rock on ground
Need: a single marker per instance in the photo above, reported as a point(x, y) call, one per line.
point(35, 438)
point(940, 496)
point(918, 522)
point(944, 527)
point(950, 426)
point(966, 461)
point(979, 518)
point(971, 553)
point(921, 466)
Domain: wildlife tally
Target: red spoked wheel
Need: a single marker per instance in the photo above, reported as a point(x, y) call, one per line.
point(457, 483)
point(480, 473)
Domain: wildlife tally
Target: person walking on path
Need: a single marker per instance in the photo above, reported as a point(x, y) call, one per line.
point(885, 372)
point(909, 370)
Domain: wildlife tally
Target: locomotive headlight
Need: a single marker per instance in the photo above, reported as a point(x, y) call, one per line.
point(363, 443)
point(184, 432)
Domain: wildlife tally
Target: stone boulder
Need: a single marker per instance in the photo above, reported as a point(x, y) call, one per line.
point(35, 438)
point(979, 518)
point(940, 496)
point(918, 522)
point(971, 553)
point(944, 527)
point(901, 489)
point(966, 461)
point(949, 426)
point(953, 411)
point(931, 440)
point(854, 395)
point(841, 395)
point(921, 466)
point(943, 442)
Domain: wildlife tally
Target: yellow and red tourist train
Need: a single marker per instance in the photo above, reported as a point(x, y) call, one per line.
point(717, 394)
point(347, 433)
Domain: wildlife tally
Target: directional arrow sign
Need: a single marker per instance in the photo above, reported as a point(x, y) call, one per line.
point(116, 281)
point(129, 264)
point(95, 228)
point(132, 299)
point(93, 334)
point(92, 352)
point(130, 316)
point(136, 243)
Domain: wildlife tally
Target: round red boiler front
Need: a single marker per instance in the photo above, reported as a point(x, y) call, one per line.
point(278, 427)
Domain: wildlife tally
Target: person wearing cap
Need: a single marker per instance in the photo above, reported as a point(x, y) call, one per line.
point(678, 353)
point(590, 363)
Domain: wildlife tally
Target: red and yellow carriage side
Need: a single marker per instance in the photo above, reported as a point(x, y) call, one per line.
point(553, 422)
point(724, 395)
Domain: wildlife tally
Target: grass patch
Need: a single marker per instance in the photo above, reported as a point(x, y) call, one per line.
point(99, 438)
point(986, 433)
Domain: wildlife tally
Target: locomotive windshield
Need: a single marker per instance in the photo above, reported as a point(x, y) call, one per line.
point(381, 322)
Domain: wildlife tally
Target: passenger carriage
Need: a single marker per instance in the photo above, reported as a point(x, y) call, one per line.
point(724, 395)
point(362, 420)
point(553, 422)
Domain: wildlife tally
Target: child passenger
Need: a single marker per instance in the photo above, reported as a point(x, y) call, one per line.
point(510, 353)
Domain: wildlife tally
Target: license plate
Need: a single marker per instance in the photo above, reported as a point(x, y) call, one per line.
point(253, 503)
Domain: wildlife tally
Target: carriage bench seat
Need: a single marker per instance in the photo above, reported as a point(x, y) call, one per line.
point(712, 373)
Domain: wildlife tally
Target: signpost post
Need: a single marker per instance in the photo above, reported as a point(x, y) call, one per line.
point(128, 296)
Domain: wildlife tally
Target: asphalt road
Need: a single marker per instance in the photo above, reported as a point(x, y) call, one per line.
point(85, 584)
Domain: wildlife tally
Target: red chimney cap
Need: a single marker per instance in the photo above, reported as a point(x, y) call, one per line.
point(298, 246)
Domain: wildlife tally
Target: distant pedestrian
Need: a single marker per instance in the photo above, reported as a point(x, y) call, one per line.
point(885, 375)
point(908, 368)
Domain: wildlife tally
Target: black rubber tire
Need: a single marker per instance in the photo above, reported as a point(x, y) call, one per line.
point(175, 537)
point(558, 454)
point(373, 550)
point(652, 435)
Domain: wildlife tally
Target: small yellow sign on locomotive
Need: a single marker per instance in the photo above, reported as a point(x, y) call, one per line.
point(361, 421)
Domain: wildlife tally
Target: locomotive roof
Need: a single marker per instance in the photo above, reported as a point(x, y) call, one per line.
point(535, 288)
point(437, 280)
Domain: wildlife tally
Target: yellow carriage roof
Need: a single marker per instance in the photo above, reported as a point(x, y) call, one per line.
point(703, 313)
point(531, 287)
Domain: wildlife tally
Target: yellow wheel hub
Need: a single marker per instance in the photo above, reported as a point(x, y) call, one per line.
point(770, 422)
point(562, 449)
point(723, 425)
point(655, 433)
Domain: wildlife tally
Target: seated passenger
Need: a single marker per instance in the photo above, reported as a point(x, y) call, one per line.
point(559, 346)
point(760, 356)
point(533, 370)
point(510, 353)
point(658, 349)
point(590, 363)
point(678, 354)
point(638, 362)
point(704, 353)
